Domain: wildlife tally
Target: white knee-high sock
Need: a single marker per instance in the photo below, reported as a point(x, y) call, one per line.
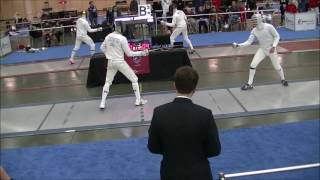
point(105, 92)
point(189, 43)
point(135, 87)
point(251, 75)
point(280, 72)
point(73, 53)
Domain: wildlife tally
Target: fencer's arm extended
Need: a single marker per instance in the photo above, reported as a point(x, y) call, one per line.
point(127, 50)
point(276, 36)
point(249, 41)
point(173, 23)
point(89, 29)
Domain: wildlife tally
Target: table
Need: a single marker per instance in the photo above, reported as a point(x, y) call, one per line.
point(163, 65)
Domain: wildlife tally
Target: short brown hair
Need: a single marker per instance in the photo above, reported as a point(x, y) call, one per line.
point(186, 79)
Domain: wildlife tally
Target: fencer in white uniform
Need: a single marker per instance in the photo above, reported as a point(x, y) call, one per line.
point(179, 23)
point(83, 27)
point(114, 46)
point(165, 7)
point(268, 39)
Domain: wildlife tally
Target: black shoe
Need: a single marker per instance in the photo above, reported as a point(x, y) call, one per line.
point(192, 51)
point(246, 87)
point(284, 82)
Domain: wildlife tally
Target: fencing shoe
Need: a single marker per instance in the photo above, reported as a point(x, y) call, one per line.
point(192, 51)
point(284, 82)
point(246, 87)
point(141, 102)
point(71, 61)
point(102, 105)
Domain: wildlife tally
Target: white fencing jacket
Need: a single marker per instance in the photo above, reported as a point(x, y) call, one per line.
point(266, 35)
point(178, 20)
point(83, 27)
point(115, 45)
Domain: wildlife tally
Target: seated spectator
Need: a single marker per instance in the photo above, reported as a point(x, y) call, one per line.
point(234, 17)
point(203, 21)
point(191, 21)
point(216, 21)
point(291, 7)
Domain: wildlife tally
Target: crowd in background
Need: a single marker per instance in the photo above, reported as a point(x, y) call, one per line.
point(199, 12)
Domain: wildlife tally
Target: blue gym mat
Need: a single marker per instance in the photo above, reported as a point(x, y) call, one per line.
point(245, 149)
point(208, 39)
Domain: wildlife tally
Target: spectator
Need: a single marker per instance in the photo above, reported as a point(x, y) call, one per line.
point(291, 7)
point(216, 4)
point(185, 134)
point(251, 6)
point(242, 17)
point(109, 16)
point(234, 17)
point(216, 21)
point(48, 38)
point(180, 4)
point(58, 32)
point(203, 21)
point(196, 4)
point(313, 5)
point(93, 14)
point(191, 21)
point(133, 7)
point(302, 6)
point(283, 4)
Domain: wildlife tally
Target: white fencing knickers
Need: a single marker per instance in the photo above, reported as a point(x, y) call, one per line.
point(124, 68)
point(177, 31)
point(258, 57)
point(86, 39)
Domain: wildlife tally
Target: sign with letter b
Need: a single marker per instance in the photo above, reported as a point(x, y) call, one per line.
point(145, 10)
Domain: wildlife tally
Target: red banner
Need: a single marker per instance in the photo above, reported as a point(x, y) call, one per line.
point(139, 64)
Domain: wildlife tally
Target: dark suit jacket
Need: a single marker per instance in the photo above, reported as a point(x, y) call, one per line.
point(186, 135)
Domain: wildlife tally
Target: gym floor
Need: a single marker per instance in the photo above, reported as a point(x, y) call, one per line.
point(301, 64)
